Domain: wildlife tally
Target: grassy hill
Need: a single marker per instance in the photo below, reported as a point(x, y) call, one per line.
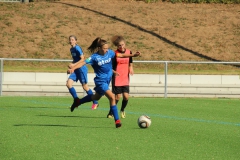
point(161, 31)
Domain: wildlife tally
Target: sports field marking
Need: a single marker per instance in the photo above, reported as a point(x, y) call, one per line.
point(188, 119)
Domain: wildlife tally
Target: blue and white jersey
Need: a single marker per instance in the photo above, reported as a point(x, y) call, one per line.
point(102, 65)
point(76, 53)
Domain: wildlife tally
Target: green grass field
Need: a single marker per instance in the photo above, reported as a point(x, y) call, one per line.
point(182, 128)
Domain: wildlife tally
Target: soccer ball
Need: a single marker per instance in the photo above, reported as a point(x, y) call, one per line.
point(144, 121)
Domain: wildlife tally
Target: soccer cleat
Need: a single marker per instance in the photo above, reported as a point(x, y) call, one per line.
point(75, 104)
point(94, 106)
point(109, 116)
point(118, 124)
point(123, 115)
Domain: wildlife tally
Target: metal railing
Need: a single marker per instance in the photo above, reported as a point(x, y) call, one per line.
point(159, 62)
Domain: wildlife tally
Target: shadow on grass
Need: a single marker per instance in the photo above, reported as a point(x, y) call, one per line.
point(30, 108)
point(44, 125)
point(44, 107)
point(68, 116)
point(150, 32)
point(58, 125)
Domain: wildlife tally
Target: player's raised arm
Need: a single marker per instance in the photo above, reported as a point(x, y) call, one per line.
point(129, 55)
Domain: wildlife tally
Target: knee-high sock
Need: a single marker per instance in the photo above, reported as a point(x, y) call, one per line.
point(110, 112)
point(115, 112)
point(73, 92)
point(124, 104)
point(87, 98)
point(89, 92)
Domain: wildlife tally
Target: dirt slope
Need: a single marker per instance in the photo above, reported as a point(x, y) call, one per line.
point(162, 31)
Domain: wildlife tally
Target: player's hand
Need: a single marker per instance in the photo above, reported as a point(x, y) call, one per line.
point(70, 71)
point(70, 65)
point(116, 74)
point(137, 54)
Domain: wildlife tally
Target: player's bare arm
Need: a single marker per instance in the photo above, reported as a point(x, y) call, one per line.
point(129, 55)
point(131, 69)
point(71, 65)
point(115, 73)
point(82, 58)
point(79, 64)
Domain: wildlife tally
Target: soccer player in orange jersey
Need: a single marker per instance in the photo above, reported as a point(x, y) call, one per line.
point(122, 67)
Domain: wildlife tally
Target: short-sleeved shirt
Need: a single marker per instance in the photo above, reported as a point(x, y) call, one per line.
point(102, 66)
point(76, 53)
point(121, 65)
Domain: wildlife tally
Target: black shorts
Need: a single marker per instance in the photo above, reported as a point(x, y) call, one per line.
point(120, 89)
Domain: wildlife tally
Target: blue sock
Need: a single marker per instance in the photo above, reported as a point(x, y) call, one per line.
point(73, 92)
point(114, 112)
point(89, 92)
point(87, 98)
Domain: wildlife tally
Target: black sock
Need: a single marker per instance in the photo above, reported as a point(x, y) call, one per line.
point(110, 112)
point(124, 104)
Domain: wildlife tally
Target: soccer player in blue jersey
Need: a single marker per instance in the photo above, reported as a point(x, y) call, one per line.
point(101, 62)
point(80, 74)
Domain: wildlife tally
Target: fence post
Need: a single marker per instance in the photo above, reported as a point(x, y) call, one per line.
point(166, 73)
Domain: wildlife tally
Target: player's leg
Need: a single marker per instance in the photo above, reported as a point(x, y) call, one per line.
point(69, 84)
point(110, 114)
point(87, 98)
point(116, 91)
point(124, 104)
point(118, 97)
point(99, 92)
point(89, 92)
point(84, 80)
point(114, 110)
point(71, 79)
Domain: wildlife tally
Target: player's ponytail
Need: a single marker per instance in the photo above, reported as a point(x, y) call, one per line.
point(98, 42)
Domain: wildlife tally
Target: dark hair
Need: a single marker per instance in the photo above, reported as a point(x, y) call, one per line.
point(73, 37)
point(117, 39)
point(98, 42)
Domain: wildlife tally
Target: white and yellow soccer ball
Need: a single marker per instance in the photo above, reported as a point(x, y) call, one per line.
point(144, 121)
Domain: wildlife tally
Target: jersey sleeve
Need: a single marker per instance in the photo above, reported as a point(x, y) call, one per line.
point(79, 50)
point(89, 60)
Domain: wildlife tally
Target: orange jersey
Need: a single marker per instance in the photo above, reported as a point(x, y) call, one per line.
point(122, 67)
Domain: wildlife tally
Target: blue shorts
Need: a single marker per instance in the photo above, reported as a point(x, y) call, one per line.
point(79, 76)
point(101, 87)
